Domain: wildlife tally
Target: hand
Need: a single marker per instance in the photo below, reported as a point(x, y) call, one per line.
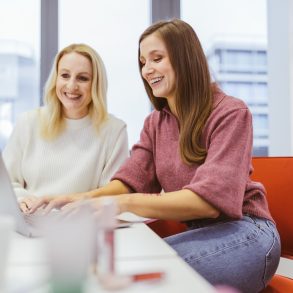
point(47, 203)
point(27, 202)
point(92, 205)
point(73, 208)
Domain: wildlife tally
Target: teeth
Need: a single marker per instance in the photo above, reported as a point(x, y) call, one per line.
point(72, 96)
point(154, 80)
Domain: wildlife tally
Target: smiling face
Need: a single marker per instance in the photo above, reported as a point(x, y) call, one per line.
point(73, 85)
point(157, 69)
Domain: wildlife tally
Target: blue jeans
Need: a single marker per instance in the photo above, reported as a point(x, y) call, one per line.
point(241, 253)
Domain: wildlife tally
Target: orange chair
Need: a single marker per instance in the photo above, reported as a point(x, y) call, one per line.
point(166, 228)
point(276, 174)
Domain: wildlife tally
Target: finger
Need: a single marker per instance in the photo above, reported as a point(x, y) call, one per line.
point(76, 208)
point(30, 200)
point(51, 205)
point(23, 207)
point(28, 203)
point(69, 211)
point(36, 205)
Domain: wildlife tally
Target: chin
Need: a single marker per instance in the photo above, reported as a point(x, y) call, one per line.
point(158, 94)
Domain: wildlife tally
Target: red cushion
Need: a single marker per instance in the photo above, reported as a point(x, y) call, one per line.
point(276, 175)
point(279, 284)
point(166, 228)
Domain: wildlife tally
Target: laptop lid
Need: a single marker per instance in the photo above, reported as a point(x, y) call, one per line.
point(9, 204)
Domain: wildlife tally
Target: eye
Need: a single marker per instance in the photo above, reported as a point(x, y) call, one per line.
point(65, 75)
point(83, 78)
point(157, 59)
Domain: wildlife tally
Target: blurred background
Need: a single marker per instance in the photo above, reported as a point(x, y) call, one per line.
point(247, 42)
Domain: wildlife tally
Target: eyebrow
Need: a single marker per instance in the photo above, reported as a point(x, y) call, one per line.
point(152, 53)
point(67, 70)
point(156, 51)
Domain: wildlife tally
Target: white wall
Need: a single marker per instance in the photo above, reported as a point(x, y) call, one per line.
point(280, 76)
point(113, 28)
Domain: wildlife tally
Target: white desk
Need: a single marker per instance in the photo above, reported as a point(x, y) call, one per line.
point(138, 241)
point(285, 267)
point(139, 250)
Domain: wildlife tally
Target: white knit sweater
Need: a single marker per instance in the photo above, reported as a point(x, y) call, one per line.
point(80, 159)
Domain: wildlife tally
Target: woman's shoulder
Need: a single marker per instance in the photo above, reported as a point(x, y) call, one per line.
point(157, 115)
point(225, 102)
point(225, 107)
point(114, 122)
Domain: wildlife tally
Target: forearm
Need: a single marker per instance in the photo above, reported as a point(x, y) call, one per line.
point(114, 187)
point(179, 205)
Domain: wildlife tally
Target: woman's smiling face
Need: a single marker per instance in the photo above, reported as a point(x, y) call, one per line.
point(73, 84)
point(156, 67)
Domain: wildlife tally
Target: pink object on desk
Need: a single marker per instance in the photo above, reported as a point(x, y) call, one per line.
point(226, 289)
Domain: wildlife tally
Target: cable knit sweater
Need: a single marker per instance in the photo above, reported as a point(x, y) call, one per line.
point(78, 160)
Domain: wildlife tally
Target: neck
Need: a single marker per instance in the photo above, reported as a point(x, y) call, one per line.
point(172, 106)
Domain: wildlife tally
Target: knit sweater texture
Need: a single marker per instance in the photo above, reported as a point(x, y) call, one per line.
point(78, 160)
point(223, 179)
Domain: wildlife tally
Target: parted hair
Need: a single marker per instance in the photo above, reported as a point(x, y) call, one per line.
point(52, 121)
point(193, 87)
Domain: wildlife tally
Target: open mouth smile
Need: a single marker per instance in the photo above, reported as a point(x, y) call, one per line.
point(72, 96)
point(155, 80)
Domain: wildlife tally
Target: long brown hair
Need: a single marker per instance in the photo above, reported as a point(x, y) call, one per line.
point(193, 86)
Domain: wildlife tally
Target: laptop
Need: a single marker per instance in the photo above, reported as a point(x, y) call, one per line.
point(24, 224)
point(31, 225)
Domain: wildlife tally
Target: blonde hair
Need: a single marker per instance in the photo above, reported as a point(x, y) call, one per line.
point(52, 122)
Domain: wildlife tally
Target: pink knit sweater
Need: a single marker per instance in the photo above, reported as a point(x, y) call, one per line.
point(222, 180)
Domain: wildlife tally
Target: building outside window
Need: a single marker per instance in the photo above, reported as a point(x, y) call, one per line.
point(111, 27)
point(237, 53)
point(240, 69)
point(19, 61)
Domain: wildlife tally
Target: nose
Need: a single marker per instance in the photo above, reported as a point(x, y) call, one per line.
point(72, 84)
point(147, 69)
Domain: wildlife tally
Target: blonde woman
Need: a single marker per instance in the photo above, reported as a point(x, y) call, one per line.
point(71, 144)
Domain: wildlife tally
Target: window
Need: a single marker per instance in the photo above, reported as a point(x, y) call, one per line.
point(19, 61)
point(112, 28)
point(236, 53)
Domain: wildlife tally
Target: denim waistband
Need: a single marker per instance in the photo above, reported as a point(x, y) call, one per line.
point(200, 223)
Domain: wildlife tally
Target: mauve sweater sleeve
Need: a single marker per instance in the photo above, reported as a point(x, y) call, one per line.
point(138, 172)
point(221, 180)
